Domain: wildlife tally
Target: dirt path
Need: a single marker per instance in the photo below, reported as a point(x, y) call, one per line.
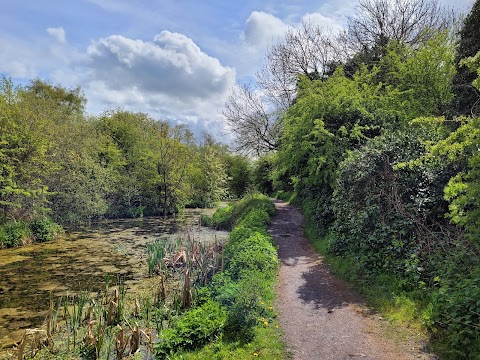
point(320, 315)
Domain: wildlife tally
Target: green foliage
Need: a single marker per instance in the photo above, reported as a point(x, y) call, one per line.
point(12, 233)
point(245, 300)
point(262, 173)
point(466, 96)
point(233, 305)
point(44, 229)
point(210, 178)
point(473, 64)
point(56, 160)
point(457, 311)
point(226, 218)
point(460, 149)
point(194, 329)
point(240, 175)
point(421, 76)
point(378, 209)
point(254, 253)
point(250, 269)
point(221, 219)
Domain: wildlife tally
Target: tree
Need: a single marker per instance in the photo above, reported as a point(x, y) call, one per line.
point(422, 76)
point(411, 22)
point(33, 120)
point(308, 50)
point(466, 96)
point(173, 162)
point(134, 136)
point(239, 171)
point(256, 129)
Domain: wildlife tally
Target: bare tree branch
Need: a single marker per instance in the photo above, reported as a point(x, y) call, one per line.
point(307, 50)
point(411, 22)
point(255, 128)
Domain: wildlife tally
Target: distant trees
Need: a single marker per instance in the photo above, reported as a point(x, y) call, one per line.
point(57, 161)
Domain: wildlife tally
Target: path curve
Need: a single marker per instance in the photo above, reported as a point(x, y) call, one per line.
point(320, 315)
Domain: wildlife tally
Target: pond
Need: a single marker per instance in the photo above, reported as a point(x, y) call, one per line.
point(79, 261)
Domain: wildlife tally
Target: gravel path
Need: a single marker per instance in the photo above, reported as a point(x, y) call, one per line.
point(320, 315)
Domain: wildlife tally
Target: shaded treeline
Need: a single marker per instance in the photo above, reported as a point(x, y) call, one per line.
point(57, 161)
point(376, 132)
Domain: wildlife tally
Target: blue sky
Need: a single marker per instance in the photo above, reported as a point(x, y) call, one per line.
point(176, 60)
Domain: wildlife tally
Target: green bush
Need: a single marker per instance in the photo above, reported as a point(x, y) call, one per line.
point(244, 300)
point(45, 229)
point(222, 219)
point(136, 211)
point(12, 233)
point(381, 210)
point(242, 290)
point(255, 219)
point(194, 329)
point(242, 232)
point(255, 253)
point(457, 315)
point(227, 218)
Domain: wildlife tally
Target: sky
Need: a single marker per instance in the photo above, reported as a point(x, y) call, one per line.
point(176, 60)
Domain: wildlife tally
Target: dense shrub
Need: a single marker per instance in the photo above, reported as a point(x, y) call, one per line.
point(457, 315)
point(45, 229)
point(390, 217)
point(256, 219)
point(244, 300)
point(195, 328)
point(242, 232)
point(221, 219)
point(385, 216)
point(12, 233)
point(255, 253)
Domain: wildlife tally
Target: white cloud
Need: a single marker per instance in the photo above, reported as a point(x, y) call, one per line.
point(16, 59)
point(58, 33)
point(170, 77)
point(262, 29)
point(171, 64)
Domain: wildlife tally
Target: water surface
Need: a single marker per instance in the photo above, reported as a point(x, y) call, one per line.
point(79, 261)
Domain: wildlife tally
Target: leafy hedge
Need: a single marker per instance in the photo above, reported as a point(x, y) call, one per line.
point(234, 303)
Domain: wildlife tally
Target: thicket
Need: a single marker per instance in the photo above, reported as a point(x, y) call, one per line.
point(388, 175)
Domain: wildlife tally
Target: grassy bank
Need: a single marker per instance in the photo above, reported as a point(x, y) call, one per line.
point(246, 287)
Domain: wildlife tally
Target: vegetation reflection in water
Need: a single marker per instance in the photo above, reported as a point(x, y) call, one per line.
point(79, 262)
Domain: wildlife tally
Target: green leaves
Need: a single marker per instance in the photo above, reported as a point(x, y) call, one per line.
point(195, 328)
